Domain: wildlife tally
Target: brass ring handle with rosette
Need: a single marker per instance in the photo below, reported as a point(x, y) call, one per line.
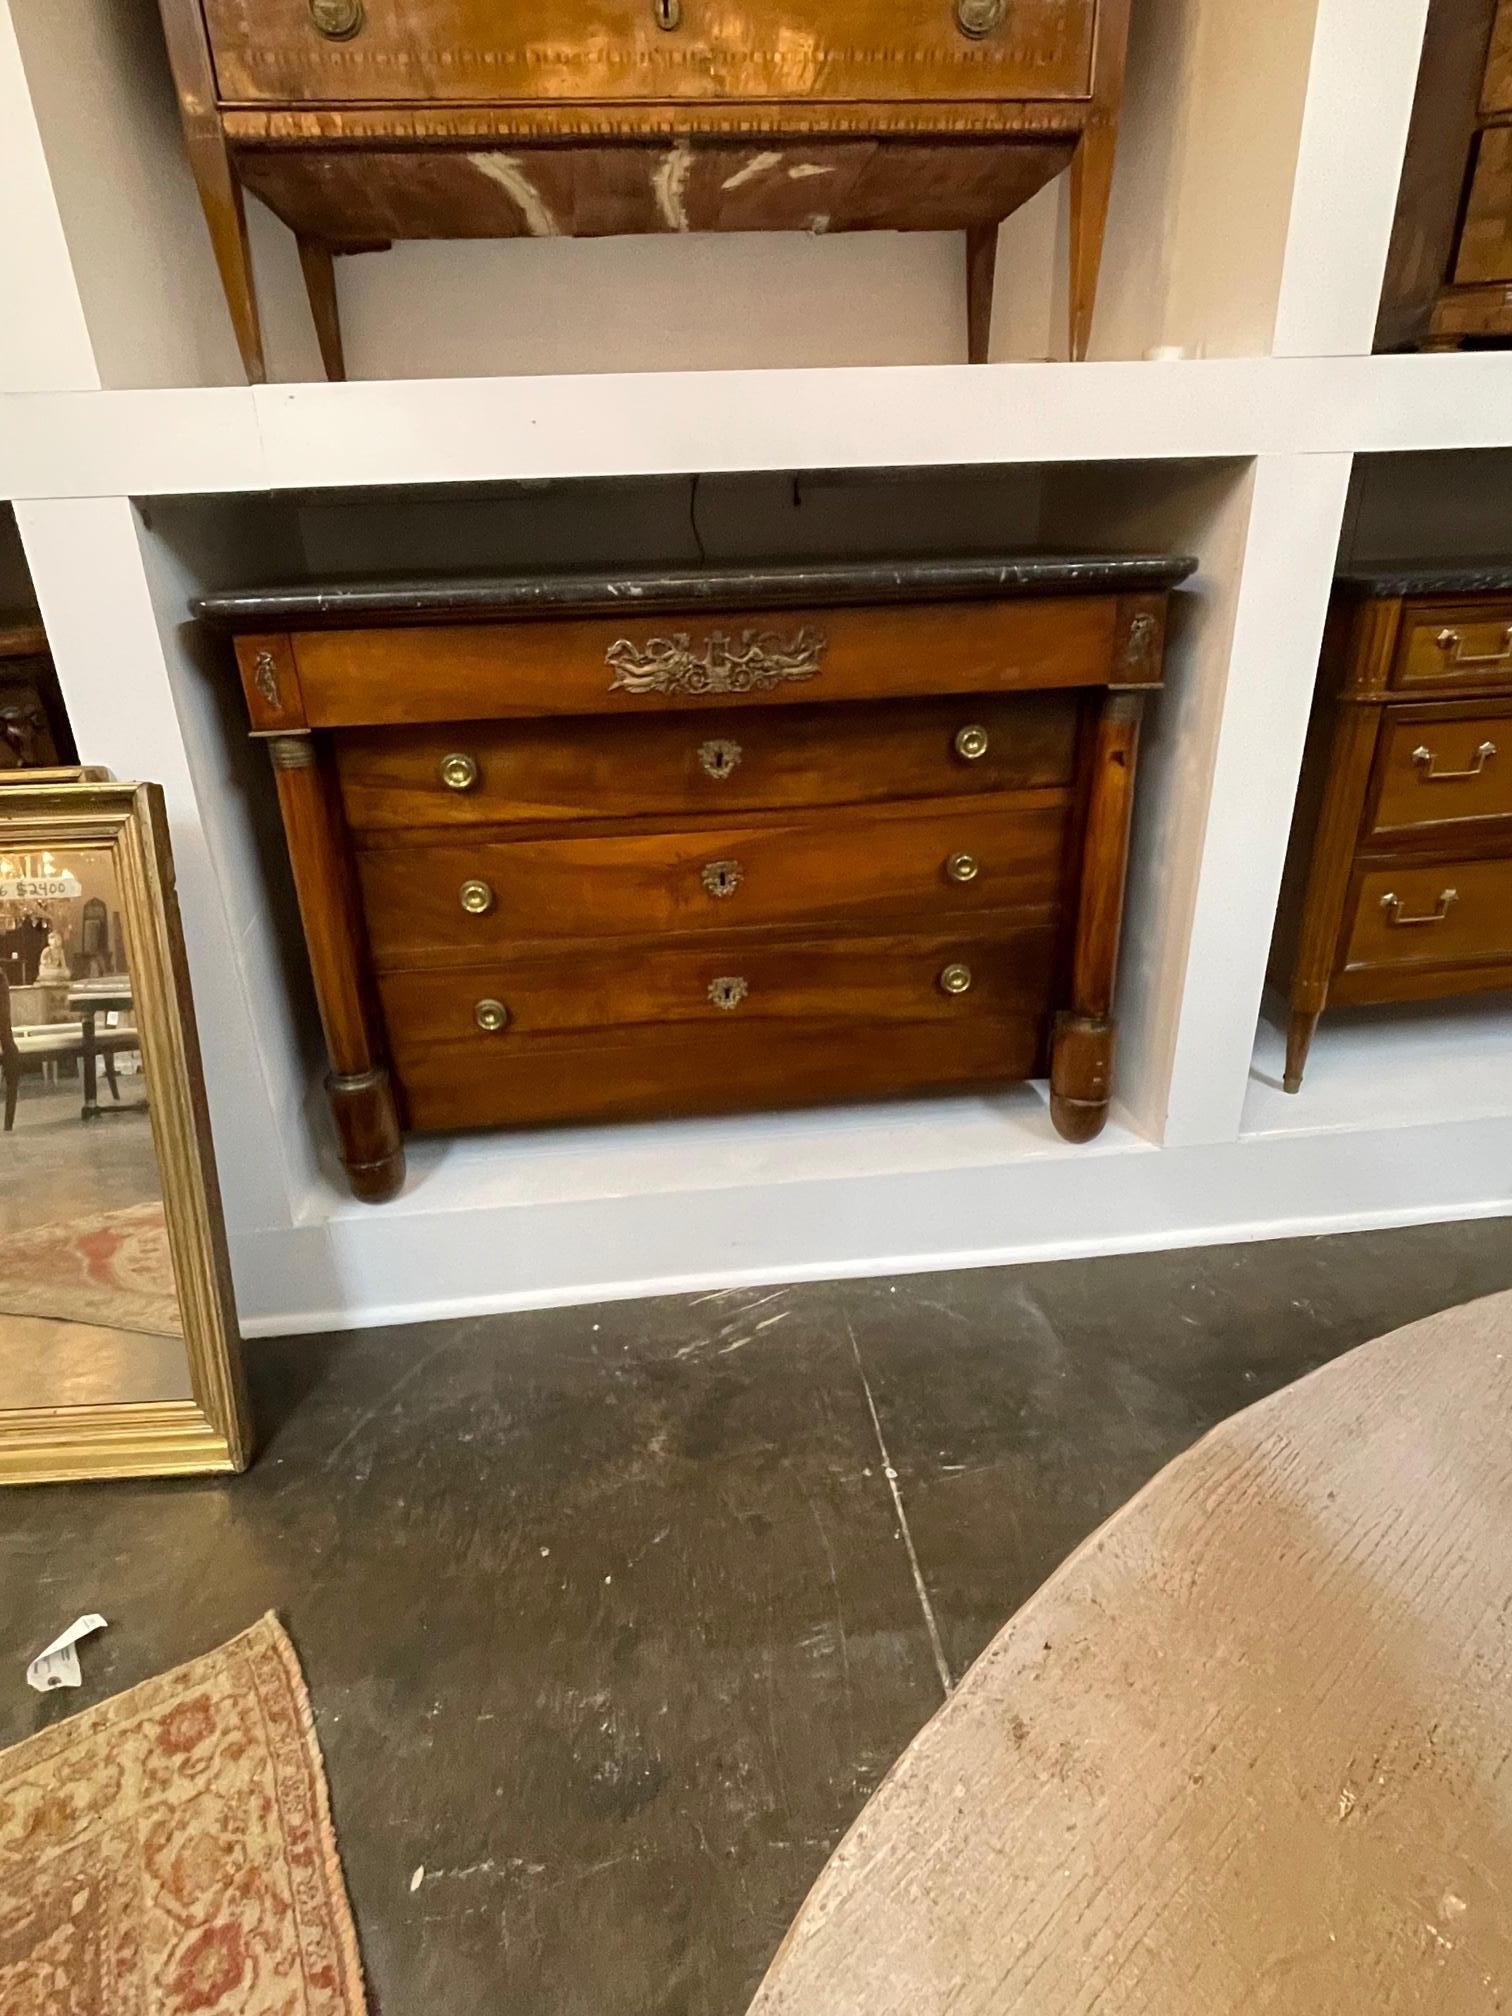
point(971, 743)
point(459, 772)
point(956, 979)
point(978, 18)
point(1453, 644)
point(336, 20)
point(491, 1017)
point(963, 867)
point(476, 897)
point(1391, 903)
point(1424, 759)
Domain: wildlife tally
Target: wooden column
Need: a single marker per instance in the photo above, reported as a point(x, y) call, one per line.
point(361, 1093)
point(981, 272)
point(1081, 1062)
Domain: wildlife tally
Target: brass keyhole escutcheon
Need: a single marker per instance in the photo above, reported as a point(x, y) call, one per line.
point(459, 773)
point(719, 759)
point(668, 14)
point(963, 868)
point(729, 991)
point(337, 20)
point(491, 1016)
point(971, 743)
point(722, 878)
point(956, 980)
point(476, 898)
point(977, 18)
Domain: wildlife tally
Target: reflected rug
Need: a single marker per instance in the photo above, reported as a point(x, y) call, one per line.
point(115, 1270)
point(171, 1851)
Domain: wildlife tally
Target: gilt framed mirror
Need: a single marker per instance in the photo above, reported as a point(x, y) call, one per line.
point(119, 1353)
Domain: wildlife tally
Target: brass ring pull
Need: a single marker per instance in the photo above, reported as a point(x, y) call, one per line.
point(719, 759)
point(491, 1016)
point(956, 980)
point(971, 743)
point(963, 868)
point(978, 18)
point(1453, 643)
point(729, 991)
point(337, 20)
point(459, 773)
point(1391, 903)
point(476, 898)
point(722, 878)
point(1424, 759)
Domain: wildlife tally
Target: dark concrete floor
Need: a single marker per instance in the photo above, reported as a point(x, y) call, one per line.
point(609, 1615)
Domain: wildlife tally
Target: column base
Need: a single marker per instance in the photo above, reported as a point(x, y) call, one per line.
point(367, 1127)
point(1081, 1076)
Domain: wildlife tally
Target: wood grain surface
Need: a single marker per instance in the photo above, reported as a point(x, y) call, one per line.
point(1247, 1751)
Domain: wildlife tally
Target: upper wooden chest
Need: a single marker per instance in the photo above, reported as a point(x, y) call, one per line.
point(459, 51)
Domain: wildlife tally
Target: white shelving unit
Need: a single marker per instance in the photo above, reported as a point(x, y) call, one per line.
point(1256, 187)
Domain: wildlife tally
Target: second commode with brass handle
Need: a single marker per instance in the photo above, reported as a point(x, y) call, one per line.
point(575, 850)
point(1400, 881)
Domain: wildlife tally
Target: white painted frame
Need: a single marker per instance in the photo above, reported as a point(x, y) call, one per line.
point(1282, 299)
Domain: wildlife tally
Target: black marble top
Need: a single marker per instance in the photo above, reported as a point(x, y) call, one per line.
point(1406, 577)
point(748, 585)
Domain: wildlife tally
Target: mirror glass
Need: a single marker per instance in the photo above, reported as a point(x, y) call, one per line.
point(89, 1310)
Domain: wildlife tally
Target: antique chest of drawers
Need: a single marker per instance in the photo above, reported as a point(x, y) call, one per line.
point(1449, 274)
point(572, 848)
point(363, 121)
point(1399, 882)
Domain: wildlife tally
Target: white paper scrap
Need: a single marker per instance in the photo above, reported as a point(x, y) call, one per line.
point(58, 1664)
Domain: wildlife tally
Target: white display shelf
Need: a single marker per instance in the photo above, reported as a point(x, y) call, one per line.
point(456, 431)
point(1420, 1064)
point(1258, 175)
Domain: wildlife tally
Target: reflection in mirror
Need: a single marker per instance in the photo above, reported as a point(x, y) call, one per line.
point(88, 1308)
point(117, 1338)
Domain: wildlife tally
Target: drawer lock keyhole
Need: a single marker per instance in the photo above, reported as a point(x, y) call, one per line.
point(668, 14)
point(729, 991)
point(722, 878)
point(719, 759)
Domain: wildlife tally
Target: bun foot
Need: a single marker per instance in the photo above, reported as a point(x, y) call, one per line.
point(367, 1125)
point(1081, 1076)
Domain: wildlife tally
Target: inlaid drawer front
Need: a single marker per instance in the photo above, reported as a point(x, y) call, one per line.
point(1456, 644)
point(619, 1030)
point(461, 900)
point(627, 667)
point(1438, 768)
point(395, 781)
point(341, 51)
point(1441, 913)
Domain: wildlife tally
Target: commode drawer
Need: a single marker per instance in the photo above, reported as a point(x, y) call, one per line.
point(605, 1030)
point(1440, 767)
point(1459, 644)
point(484, 773)
point(1439, 913)
point(460, 901)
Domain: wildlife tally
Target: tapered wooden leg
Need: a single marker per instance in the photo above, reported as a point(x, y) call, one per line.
point(981, 274)
point(1299, 1036)
point(1081, 1056)
point(361, 1093)
point(320, 284)
point(220, 195)
point(1091, 188)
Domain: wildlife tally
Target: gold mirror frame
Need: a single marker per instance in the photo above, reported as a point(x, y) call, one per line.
point(208, 1432)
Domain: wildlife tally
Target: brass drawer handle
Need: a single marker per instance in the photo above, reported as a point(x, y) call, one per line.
point(722, 878)
point(956, 980)
point(1424, 759)
point(971, 744)
point(337, 20)
point(459, 773)
point(1391, 903)
point(729, 991)
point(978, 18)
point(1450, 641)
point(476, 898)
point(491, 1016)
point(719, 759)
point(963, 868)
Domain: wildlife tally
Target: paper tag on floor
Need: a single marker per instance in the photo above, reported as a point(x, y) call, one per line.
point(58, 1664)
